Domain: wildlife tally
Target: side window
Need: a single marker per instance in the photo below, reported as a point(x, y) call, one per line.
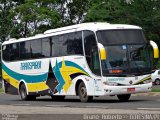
point(36, 51)
point(75, 43)
point(6, 52)
point(59, 45)
point(46, 47)
point(63, 44)
point(70, 46)
point(91, 52)
point(14, 52)
point(25, 52)
point(67, 44)
point(55, 46)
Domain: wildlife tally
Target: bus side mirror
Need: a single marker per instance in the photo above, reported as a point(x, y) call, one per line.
point(155, 49)
point(102, 51)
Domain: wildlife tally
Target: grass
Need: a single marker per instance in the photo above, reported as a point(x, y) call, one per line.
point(1, 90)
point(156, 90)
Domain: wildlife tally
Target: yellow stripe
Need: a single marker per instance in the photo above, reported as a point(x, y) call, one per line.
point(10, 80)
point(32, 87)
point(66, 71)
point(143, 80)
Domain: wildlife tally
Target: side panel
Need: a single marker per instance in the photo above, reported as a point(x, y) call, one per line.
point(33, 72)
point(56, 76)
point(68, 70)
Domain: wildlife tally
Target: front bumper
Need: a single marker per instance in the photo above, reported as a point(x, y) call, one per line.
point(117, 90)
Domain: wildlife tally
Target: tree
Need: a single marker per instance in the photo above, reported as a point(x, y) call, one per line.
point(23, 18)
point(5, 20)
point(35, 16)
point(144, 13)
point(72, 11)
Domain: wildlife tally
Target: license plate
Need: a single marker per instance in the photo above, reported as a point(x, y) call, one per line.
point(130, 89)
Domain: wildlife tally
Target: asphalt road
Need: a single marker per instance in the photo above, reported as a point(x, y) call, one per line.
point(136, 102)
point(139, 107)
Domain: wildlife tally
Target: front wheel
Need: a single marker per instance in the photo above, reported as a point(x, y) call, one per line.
point(82, 92)
point(124, 98)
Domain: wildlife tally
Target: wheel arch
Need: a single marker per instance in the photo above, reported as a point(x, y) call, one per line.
point(77, 85)
point(157, 79)
point(79, 80)
point(20, 83)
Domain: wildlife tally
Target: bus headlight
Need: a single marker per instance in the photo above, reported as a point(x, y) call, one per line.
point(110, 83)
point(105, 83)
point(113, 84)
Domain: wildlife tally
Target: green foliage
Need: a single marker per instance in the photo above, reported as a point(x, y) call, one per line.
point(35, 16)
point(5, 20)
point(144, 13)
point(72, 11)
point(22, 18)
point(1, 90)
point(156, 90)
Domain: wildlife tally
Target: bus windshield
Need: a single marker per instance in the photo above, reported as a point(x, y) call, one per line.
point(127, 53)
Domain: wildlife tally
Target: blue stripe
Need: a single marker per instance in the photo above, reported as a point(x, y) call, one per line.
point(27, 78)
point(58, 76)
point(72, 64)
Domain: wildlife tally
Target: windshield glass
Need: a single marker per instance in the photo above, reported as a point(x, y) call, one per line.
point(116, 60)
point(127, 52)
point(138, 58)
point(126, 59)
point(113, 37)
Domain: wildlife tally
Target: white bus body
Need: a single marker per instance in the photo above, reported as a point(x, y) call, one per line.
point(67, 61)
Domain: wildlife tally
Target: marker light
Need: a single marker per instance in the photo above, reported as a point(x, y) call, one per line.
point(115, 71)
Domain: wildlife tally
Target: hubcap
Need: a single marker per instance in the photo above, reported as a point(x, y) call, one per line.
point(83, 92)
point(157, 82)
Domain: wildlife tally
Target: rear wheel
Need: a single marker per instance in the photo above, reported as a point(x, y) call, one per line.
point(23, 94)
point(157, 81)
point(124, 97)
point(82, 92)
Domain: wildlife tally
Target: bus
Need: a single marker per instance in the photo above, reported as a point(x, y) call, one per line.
point(86, 60)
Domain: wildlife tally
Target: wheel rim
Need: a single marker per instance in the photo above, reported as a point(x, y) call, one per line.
point(23, 93)
point(157, 82)
point(83, 92)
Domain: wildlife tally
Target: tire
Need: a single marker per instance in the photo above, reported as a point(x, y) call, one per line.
point(23, 94)
point(157, 82)
point(124, 98)
point(82, 92)
point(57, 98)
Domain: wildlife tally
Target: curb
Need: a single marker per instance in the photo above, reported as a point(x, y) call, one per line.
point(147, 94)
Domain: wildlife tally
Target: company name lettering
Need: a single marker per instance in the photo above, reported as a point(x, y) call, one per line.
point(31, 65)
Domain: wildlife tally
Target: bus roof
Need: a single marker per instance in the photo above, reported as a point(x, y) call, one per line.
point(95, 26)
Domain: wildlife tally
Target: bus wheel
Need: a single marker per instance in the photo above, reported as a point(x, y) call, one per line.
point(23, 94)
point(124, 97)
point(82, 92)
point(157, 81)
point(57, 98)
